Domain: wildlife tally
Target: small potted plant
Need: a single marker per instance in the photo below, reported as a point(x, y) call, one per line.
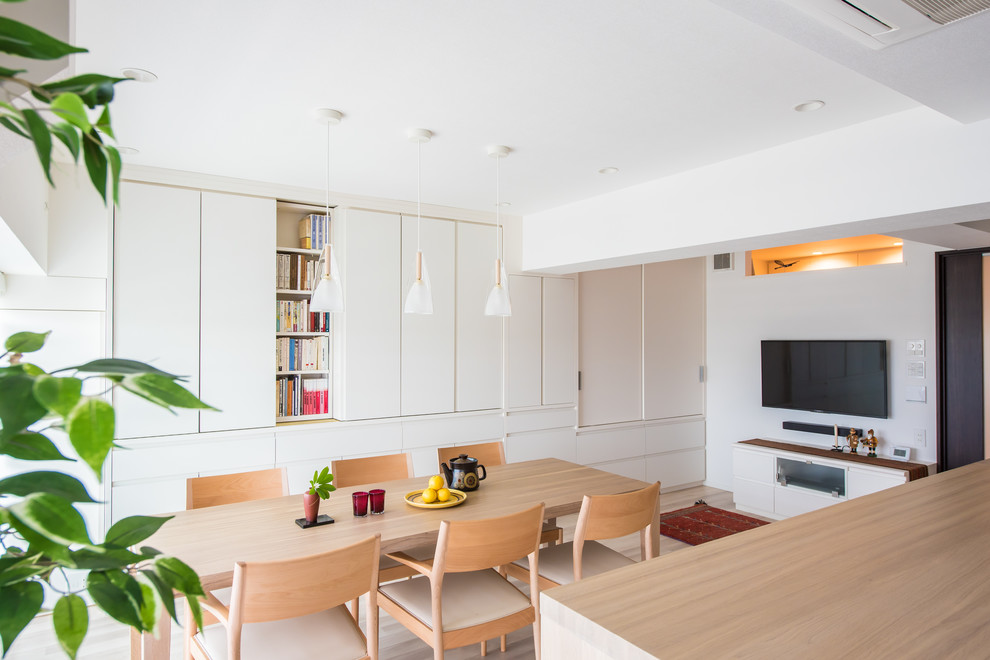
point(320, 487)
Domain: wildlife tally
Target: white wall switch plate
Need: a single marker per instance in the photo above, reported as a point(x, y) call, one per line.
point(920, 437)
point(916, 368)
point(916, 348)
point(919, 393)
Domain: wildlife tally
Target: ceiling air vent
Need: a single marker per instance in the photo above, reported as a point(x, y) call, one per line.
point(722, 261)
point(947, 11)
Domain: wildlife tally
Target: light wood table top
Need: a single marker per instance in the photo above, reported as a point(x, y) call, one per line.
point(901, 573)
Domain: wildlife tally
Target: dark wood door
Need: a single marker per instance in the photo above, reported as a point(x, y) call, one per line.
point(959, 286)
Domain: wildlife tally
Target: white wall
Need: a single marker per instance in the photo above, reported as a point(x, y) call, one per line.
point(895, 302)
point(23, 216)
point(892, 173)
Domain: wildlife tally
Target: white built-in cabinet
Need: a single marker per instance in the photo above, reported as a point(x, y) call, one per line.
point(559, 341)
point(611, 349)
point(237, 306)
point(185, 301)
point(156, 299)
point(427, 369)
point(479, 338)
point(673, 338)
point(367, 342)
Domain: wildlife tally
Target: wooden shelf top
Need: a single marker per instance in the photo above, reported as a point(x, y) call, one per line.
point(914, 470)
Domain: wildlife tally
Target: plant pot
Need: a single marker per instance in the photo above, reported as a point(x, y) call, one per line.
point(311, 506)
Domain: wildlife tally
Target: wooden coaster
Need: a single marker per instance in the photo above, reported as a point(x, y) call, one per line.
point(321, 519)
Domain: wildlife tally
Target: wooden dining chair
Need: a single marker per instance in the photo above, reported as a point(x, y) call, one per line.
point(294, 608)
point(371, 469)
point(601, 517)
point(237, 487)
point(460, 598)
point(493, 453)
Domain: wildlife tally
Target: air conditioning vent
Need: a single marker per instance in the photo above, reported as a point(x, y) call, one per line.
point(722, 261)
point(947, 11)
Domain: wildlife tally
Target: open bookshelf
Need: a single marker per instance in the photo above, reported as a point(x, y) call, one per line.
point(303, 351)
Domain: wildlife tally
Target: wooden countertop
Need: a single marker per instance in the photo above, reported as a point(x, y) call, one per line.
point(901, 573)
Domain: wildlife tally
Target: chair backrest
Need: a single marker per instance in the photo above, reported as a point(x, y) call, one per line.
point(487, 453)
point(371, 469)
point(287, 588)
point(612, 516)
point(472, 545)
point(237, 487)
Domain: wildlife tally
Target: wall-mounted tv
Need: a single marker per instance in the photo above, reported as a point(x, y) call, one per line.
point(830, 376)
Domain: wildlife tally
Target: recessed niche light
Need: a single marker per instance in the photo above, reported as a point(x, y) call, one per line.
point(139, 75)
point(816, 253)
point(809, 106)
point(505, 203)
point(898, 244)
point(128, 151)
point(608, 170)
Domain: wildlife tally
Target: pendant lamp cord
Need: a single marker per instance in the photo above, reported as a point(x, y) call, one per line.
point(498, 208)
point(419, 191)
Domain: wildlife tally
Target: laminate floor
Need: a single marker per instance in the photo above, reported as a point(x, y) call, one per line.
point(109, 640)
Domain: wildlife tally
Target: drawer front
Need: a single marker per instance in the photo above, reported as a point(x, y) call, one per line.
point(863, 482)
point(752, 495)
point(789, 502)
point(753, 465)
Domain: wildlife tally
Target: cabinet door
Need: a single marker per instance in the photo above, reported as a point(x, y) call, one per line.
point(367, 332)
point(156, 299)
point(610, 351)
point(479, 337)
point(524, 327)
point(428, 340)
point(674, 340)
point(559, 341)
point(237, 299)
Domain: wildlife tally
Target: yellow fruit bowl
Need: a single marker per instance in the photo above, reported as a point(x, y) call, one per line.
point(415, 498)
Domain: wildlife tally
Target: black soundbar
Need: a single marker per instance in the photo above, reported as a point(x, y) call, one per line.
point(820, 428)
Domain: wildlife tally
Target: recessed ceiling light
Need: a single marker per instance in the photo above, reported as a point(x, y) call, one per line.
point(809, 106)
point(505, 203)
point(608, 170)
point(139, 75)
point(898, 244)
point(128, 151)
point(816, 253)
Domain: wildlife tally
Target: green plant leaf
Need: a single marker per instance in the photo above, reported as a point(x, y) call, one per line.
point(114, 594)
point(26, 342)
point(162, 390)
point(96, 161)
point(30, 446)
point(69, 136)
point(120, 367)
point(134, 529)
point(192, 602)
point(165, 594)
point(42, 139)
point(148, 608)
point(19, 603)
point(102, 560)
point(17, 38)
point(178, 576)
point(57, 483)
point(50, 516)
point(115, 165)
point(9, 73)
point(71, 108)
point(8, 122)
point(71, 621)
point(59, 395)
point(93, 88)
point(90, 426)
point(20, 568)
point(41, 544)
point(18, 407)
point(103, 123)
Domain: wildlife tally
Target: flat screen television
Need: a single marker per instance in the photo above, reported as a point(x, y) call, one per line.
point(830, 376)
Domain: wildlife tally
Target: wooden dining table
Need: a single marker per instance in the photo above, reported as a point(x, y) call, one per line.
point(212, 539)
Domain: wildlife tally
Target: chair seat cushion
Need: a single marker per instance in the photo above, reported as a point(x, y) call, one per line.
point(557, 562)
point(469, 599)
point(328, 635)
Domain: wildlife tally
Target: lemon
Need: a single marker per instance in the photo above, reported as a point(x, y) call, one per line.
point(429, 496)
point(436, 482)
point(443, 495)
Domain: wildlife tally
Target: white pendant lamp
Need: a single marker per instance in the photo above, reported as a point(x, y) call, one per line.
point(328, 296)
point(420, 297)
point(498, 299)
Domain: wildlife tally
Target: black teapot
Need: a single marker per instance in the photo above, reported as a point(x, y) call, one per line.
point(463, 473)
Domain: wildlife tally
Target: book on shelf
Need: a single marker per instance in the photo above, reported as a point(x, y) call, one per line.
point(302, 354)
point(314, 231)
point(297, 395)
point(295, 271)
point(294, 316)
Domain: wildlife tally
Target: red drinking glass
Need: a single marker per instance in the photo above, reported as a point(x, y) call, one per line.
point(377, 500)
point(360, 501)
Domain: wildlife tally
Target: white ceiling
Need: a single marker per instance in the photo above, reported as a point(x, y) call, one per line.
point(572, 86)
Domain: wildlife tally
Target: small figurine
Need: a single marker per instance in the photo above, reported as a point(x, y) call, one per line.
point(871, 442)
point(853, 440)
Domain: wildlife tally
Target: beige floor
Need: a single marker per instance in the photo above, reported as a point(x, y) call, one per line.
point(108, 640)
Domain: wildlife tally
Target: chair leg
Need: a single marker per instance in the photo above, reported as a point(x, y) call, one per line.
point(484, 648)
point(355, 609)
point(502, 643)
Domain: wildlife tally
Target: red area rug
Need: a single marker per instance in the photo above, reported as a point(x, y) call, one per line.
point(702, 523)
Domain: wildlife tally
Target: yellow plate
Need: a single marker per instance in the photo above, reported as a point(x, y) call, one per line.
point(415, 498)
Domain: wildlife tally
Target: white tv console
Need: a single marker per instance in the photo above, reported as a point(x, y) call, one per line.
point(777, 479)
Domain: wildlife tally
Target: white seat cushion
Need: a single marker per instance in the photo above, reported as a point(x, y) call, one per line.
point(328, 635)
point(468, 599)
point(557, 562)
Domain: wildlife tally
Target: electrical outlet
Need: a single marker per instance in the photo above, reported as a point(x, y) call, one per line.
point(919, 437)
